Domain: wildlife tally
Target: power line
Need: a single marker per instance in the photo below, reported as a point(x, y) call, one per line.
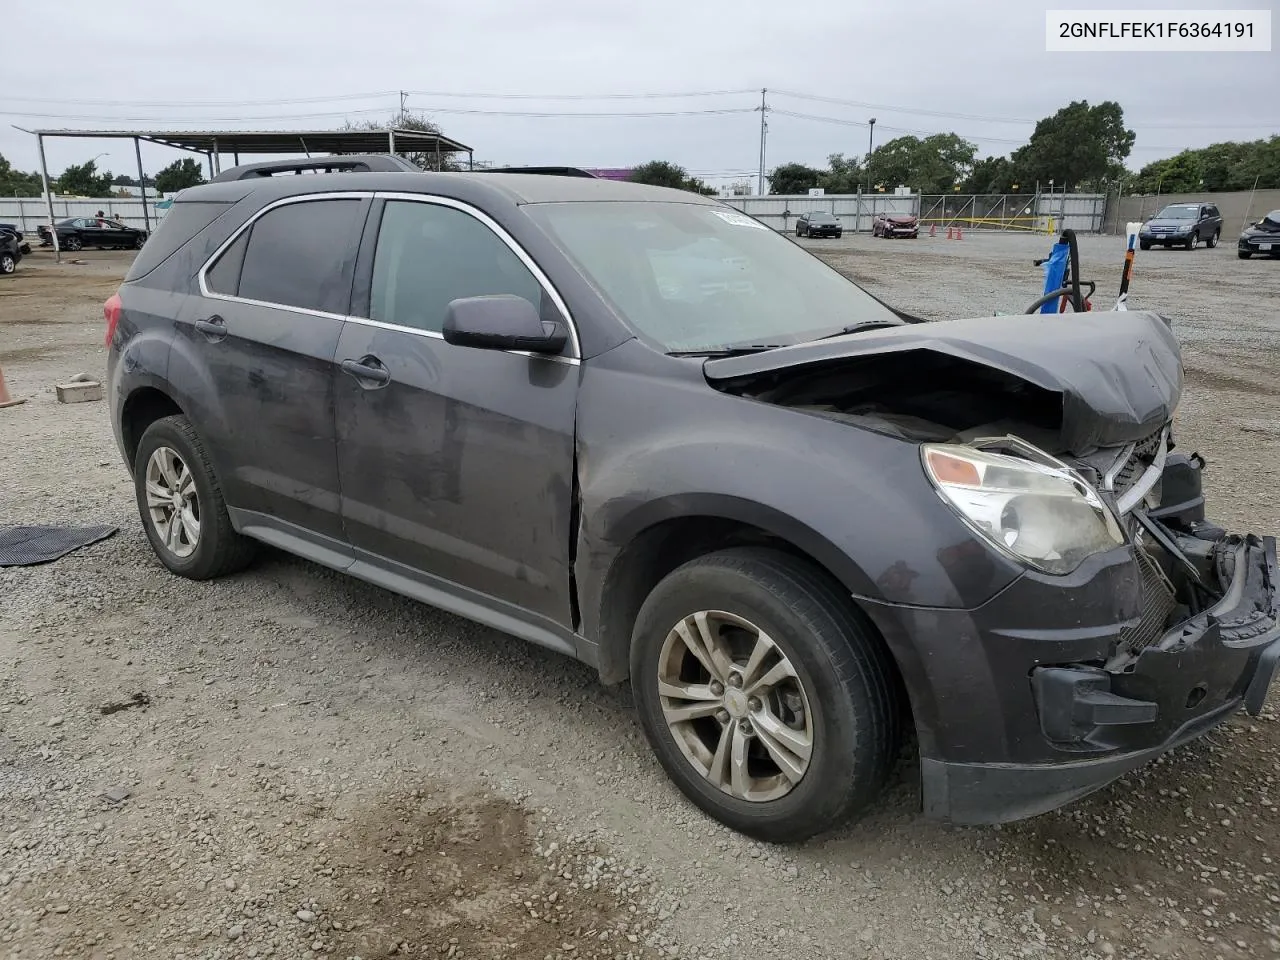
point(884, 126)
point(579, 96)
point(543, 114)
point(899, 109)
point(589, 115)
point(203, 103)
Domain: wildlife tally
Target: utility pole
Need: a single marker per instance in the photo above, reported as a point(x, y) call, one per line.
point(871, 138)
point(404, 99)
point(764, 129)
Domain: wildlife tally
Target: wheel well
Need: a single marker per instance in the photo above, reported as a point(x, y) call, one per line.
point(143, 408)
point(654, 554)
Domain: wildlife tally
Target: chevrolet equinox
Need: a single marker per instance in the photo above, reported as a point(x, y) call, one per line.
point(642, 429)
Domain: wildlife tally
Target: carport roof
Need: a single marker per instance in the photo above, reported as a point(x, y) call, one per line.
point(280, 141)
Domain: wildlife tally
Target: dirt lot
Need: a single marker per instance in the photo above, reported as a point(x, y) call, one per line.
point(289, 763)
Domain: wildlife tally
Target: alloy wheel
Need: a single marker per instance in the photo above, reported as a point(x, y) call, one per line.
point(173, 505)
point(7, 263)
point(735, 706)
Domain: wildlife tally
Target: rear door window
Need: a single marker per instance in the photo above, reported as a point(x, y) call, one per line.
point(303, 255)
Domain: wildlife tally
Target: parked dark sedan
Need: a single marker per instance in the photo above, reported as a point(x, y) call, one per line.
point(819, 223)
point(1262, 237)
point(101, 232)
point(794, 517)
point(890, 225)
point(11, 250)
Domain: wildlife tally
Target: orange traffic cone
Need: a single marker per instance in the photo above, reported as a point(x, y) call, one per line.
point(950, 234)
point(933, 229)
point(5, 399)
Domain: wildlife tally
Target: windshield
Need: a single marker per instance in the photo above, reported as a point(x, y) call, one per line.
point(699, 278)
point(1178, 213)
point(1272, 220)
point(822, 218)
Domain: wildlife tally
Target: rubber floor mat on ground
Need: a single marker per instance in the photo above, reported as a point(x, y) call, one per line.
point(26, 546)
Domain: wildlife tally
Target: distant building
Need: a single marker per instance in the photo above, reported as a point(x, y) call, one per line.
point(612, 173)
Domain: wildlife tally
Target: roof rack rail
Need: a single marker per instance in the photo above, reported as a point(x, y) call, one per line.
point(545, 171)
point(363, 163)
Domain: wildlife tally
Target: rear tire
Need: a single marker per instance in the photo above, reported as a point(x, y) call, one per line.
point(8, 263)
point(73, 243)
point(836, 701)
point(173, 476)
point(139, 243)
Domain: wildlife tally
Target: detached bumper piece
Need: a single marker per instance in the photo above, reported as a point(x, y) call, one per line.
point(1110, 720)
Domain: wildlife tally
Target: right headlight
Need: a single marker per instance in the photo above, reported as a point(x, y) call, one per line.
point(1046, 516)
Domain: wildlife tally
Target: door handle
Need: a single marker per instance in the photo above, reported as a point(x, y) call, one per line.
point(214, 328)
point(368, 371)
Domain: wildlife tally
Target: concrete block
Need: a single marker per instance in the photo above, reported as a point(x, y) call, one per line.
point(79, 391)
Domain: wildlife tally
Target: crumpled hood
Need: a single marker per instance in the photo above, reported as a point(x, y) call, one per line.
point(1119, 373)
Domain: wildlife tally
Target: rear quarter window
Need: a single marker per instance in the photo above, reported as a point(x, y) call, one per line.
point(180, 224)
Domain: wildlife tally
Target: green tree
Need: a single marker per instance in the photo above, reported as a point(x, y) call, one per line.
point(843, 174)
point(428, 159)
point(662, 173)
point(16, 183)
point(791, 178)
point(83, 180)
point(1219, 166)
point(992, 175)
point(179, 175)
point(934, 164)
point(1077, 147)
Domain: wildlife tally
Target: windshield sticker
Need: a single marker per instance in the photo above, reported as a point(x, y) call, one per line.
point(738, 219)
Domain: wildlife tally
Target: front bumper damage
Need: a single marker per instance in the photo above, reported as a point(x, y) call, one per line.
point(1057, 686)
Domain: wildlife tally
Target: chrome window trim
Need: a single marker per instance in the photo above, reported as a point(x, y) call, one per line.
point(543, 280)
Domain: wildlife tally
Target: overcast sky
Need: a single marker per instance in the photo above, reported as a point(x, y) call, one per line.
point(90, 64)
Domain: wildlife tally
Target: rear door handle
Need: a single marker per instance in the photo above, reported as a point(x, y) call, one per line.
point(368, 371)
point(214, 328)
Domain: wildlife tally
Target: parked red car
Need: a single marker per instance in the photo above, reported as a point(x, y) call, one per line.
point(889, 225)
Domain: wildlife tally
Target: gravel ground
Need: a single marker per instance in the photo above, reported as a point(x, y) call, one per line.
point(291, 763)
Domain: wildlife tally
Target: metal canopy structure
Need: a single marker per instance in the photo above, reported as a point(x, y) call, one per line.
point(214, 143)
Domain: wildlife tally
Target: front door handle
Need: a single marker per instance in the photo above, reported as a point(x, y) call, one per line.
point(368, 371)
point(214, 328)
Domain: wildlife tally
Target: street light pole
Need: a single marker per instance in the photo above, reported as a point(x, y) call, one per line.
point(871, 138)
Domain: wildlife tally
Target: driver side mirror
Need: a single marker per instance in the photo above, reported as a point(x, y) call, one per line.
point(502, 322)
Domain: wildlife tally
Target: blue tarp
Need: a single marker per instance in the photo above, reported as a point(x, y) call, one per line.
point(1055, 270)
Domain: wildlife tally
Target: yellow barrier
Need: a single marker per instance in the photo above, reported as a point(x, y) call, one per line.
point(1036, 224)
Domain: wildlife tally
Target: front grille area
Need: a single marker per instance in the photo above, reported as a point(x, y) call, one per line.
point(1143, 453)
point(1158, 603)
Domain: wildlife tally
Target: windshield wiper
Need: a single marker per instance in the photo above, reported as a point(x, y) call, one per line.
point(857, 328)
point(730, 351)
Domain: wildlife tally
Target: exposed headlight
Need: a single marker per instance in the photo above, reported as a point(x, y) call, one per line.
point(1046, 516)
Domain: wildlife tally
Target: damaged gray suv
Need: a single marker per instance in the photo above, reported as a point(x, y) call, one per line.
point(639, 428)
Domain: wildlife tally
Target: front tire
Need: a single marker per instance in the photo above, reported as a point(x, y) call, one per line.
point(181, 505)
point(1212, 241)
point(765, 694)
point(1191, 240)
point(1244, 254)
point(1144, 244)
